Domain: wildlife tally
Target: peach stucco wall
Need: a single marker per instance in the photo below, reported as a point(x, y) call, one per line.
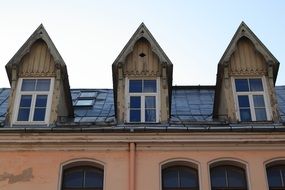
point(40, 169)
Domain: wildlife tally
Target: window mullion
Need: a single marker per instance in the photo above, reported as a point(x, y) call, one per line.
point(281, 176)
point(143, 108)
point(226, 175)
point(33, 104)
point(252, 108)
point(84, 176)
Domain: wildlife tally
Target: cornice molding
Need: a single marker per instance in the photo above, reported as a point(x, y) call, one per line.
point(145, 141)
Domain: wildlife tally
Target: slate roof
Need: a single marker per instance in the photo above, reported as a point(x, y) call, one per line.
point(190, 104)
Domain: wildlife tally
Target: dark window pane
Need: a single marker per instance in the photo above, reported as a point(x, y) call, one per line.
point(73, 179)
point(23, 114)
point(135, 86)
point(243, 101)
point(43, 85)
point(188, 177)
point(241, 85)
point(255, 85)
point(26, 101)
point(149, 86)
point(236, 177)
point(83, 178)
point(150, 115)
point(245, 114)
point(170, 178)
point(41, 101)
point(150, 102)
point(218, 177)
point(274, 177)
point(135, 115)
point(228, 177)
point(258, 101)
point(180, 177)
point(135, 102)
point(28, 85)
point(260, 114)
point(24, 109)
point(93, 178)
point(39, 114)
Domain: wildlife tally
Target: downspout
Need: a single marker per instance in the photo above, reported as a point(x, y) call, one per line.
point(132, 169)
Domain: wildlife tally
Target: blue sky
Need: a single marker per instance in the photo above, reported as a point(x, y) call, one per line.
point(90, 34)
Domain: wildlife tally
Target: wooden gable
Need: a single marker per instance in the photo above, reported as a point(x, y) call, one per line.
point(38, 57)
point(142, 57)
point(246, 56)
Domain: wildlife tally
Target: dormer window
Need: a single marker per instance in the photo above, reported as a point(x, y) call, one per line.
point(142, 100)
point(33, 100)
point(251, 99)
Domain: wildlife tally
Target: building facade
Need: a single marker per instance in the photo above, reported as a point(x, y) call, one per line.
point(144, 133)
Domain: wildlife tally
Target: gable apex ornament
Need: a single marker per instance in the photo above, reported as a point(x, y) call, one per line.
point(142, 32)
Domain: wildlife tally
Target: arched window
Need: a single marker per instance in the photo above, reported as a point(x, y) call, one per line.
point(276, 177)
point(82, 177)
point(228, 178)
point(180, 177)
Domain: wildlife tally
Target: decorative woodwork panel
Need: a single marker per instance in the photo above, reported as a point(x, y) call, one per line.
point(38, 62)
point(246, 60)
point(142, 61)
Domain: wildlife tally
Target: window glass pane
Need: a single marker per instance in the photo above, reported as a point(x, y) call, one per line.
point(150, 102)
point(135, 86)
point(236, 177)
point(24, 109)
point(93, 178)
point(73, 179)
point(149, 86)
point(258, 101)
point(274, 177)
point(39, 114)
point(243, 101)
point(135, 115)
point(188, 177)
point(218, 177)
point(255, 85)
point(84, 103)
point(170, 178)
point(245, 114)
point(23, 114)
point(25, 101)
point(41, 101)
point(28, 85)
point(43, 85)
point(260, 114)
point(241, 85)
point(135, 102)
point(150, 115)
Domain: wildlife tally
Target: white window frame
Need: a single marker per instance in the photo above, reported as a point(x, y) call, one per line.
point(250, 95)
point(19, 93)
point(142, 95)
